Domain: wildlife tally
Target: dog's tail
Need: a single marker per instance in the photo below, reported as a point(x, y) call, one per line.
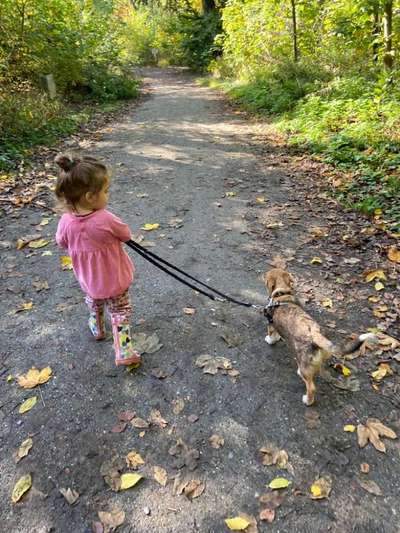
point(355, 345)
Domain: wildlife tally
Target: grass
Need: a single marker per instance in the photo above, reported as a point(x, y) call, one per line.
point(352, 123)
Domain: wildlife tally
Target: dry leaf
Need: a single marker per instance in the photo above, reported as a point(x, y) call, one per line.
point(119, 428)
point(216, 441)
point(189, 310)
point(272, 499)
point(230, 194)
point(370, 486)
point(157, 419)
point(134, 460)
point(112, 520)
point(66, 262)
point(160, 475)
point(372, 275)
point(364, 467)
point(144, 343)
point(211, 364)
point(39, 243)
point(129, 480)
point(349, 428)
point(178, 406)
point(321, 488)
point(316, 261)
point(372, 431)
point(70, 495)
point(23, 450)
point(260, 200)
point(273, 456)
point(27, 404)
point(343, 369)
point(126, 416)
point(327, 302)
point(41, 285)
point(34, 377)
point(379, 286)
point(394, 254)
point(139, 423)
point(279, 483)
point(26, 306)
point(384, 369)
point(158, 373)
point(194, 488)
point(267, 515)
point(23, 485)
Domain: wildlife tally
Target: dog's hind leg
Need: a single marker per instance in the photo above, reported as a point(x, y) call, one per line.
point(272, 335)
point(307, 375)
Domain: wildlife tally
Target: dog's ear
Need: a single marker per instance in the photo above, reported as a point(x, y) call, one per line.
point(289, 279)
point(270, 281)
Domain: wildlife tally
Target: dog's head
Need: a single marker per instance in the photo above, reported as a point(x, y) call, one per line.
point(278, 282)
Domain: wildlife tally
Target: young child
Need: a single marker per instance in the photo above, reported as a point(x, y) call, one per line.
point(94, 237)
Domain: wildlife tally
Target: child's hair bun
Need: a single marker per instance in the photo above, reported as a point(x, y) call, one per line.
point(66, 162)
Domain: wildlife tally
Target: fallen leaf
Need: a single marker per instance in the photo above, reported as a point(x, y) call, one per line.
point(157, 419)
point(216, 441)
point(349, 428)
point(321, 488)
point(44, 222)
point(26, 306)
point(70, 495)
point(39, 243)
point(379, 286)
point(372, 275)
point(394, 254)
point(110, 470)
point(27, 404)
point(273, 456)
point(34, 377)
point(40, 285)
point(372, 431)
point(237, 523)
point(316, 261)
point(66, 262)
point(364, 467)
point(343, 369)
point(119, 428)
point(274, 225)
point(272, 499)
point(160, 475)
point(370, 486)
point(319, 232)
point(230, 194)
point(139, 423)
point(23, 450)
point(260, 200)
point(146, 343)
point(211, 364)
point(189, 310)
point(178, 406)
point(150, 227)
point(158, 373)
point(231, 339)
point(267, 515)
point(10, 378)
point(384, 369)
point(129, 480)
point(112, 520)
point(126, 416)
point(194, 489)
point(327, 302)
point(23, 485)
point(279, 483)
point(134, 459)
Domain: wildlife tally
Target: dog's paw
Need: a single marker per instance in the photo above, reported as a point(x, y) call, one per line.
point(269, 339)
point(306, 401)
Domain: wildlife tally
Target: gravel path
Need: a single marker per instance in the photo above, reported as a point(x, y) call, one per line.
point(185, 160)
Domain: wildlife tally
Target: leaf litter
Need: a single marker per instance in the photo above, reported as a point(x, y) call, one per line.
point(372, 432)
point(23, 450)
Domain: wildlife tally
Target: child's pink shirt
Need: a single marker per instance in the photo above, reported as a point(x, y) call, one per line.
point(94, 243)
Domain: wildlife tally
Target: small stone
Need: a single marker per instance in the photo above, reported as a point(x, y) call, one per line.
point(146, 510)
point(193, 418)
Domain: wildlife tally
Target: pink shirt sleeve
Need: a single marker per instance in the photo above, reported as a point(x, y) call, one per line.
point(119, 229)
point(61, 237)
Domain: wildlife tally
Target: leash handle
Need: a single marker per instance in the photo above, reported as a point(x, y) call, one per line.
point(156, 260)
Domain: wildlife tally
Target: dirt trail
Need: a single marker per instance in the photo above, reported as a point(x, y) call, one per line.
point(174, 159)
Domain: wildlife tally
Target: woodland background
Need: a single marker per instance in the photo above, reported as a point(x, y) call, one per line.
point(325, 72)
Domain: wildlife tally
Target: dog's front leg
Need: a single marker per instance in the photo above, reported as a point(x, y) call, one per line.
point(272, 335)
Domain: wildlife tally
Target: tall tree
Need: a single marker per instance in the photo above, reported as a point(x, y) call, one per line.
point(388, 58)
point(294, 31)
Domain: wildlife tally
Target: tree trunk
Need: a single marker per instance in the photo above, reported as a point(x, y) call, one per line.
point(294, 31)
point(208, 6)
point(375, 33)
point(387, 34)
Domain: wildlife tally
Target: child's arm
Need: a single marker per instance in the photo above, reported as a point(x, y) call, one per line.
point(61, 237)
point(119, 229)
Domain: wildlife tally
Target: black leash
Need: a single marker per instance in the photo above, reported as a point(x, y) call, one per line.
point(159, 262)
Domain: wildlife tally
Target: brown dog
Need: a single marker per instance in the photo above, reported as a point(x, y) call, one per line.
point(300, 331)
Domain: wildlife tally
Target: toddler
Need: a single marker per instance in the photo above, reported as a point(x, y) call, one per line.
point(94, 237)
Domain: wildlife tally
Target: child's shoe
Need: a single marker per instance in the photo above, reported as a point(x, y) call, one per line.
point(97, 324)
point(124, 352)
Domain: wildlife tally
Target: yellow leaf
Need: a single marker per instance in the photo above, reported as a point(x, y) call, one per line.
point(279, 483)
point(379, 286)
point(316, 490)
point(38, 243)
point(129, 480)
point(349, 428)
point(27, 306)
point(260, 200)
point(316, 261)
point(237, 524)
point(150, 227)
point(346, 371)
point(374, 299)
point(230, 194)
point(66, 262)
point(47, 252)
point(327, 303)
point(23, 485)
point(378, 212)
point(44, 222)
point(394, 254)
point(34, 377)
point(383, 370)
point(371, 275)
point(10, 378)
point(27, 404)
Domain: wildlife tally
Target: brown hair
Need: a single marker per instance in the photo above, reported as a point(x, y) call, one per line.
point(77, 177)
